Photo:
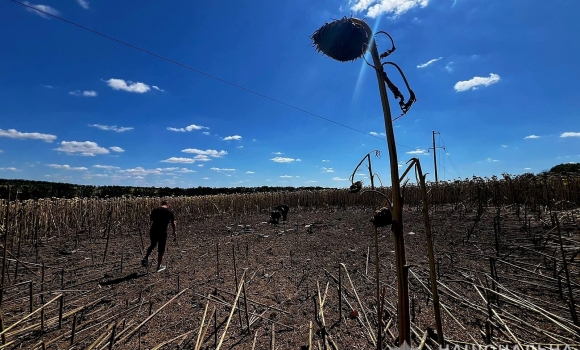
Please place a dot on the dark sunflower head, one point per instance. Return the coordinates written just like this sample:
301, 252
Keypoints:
356, 187
343, 39
382, 217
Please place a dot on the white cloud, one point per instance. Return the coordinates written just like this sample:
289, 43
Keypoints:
84, 4
328, 170
376, 8
475, 82
9, 169
157, 88
86, 148
284, 160
106, 167
206, 133
254, 139
207, 153
532, 137
527, 168
111, 128
277, 153
205, 178
200, 165
504, 146
83, 93
570, 134
140, 171
116, 149
202, 158
234, 137
448, 67
90, 176
286, 176
326, 160
13, 134
185, 170
222, 169
423, 65
66, 167
44, 8
374, 133
179, 160
336, 178
418, 151
250, 172
492, 160
129, 86
188, 128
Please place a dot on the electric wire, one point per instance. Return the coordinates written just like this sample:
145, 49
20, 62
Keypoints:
198, 71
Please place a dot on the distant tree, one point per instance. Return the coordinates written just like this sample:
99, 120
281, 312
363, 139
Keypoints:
566, 168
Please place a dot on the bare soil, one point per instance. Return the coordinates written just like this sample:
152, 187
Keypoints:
286, 267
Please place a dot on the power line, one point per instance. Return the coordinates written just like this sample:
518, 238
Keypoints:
451, 160
198, 71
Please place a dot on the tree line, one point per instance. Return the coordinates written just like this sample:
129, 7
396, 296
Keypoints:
28, 189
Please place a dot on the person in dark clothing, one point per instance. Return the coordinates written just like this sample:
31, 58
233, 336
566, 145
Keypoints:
160, 218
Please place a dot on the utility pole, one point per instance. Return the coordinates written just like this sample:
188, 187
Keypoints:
434, 148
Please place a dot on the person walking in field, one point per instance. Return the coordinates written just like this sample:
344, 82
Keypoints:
160, 218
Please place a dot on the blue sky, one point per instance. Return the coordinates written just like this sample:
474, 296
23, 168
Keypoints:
497, 79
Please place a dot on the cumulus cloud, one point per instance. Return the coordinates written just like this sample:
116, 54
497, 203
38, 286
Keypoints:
44, 8
140, 171
374, 8
13, 134
222, 169
188, 128
207, 153
112, 127
426, 64
185, 170
234, 137
531, 137
336, 178
570, 134
83, 93
476, 82
66, 167
116, 149
284, 160
106, 167
418, 151
86, 148
179, 160
84, 4
129, 86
